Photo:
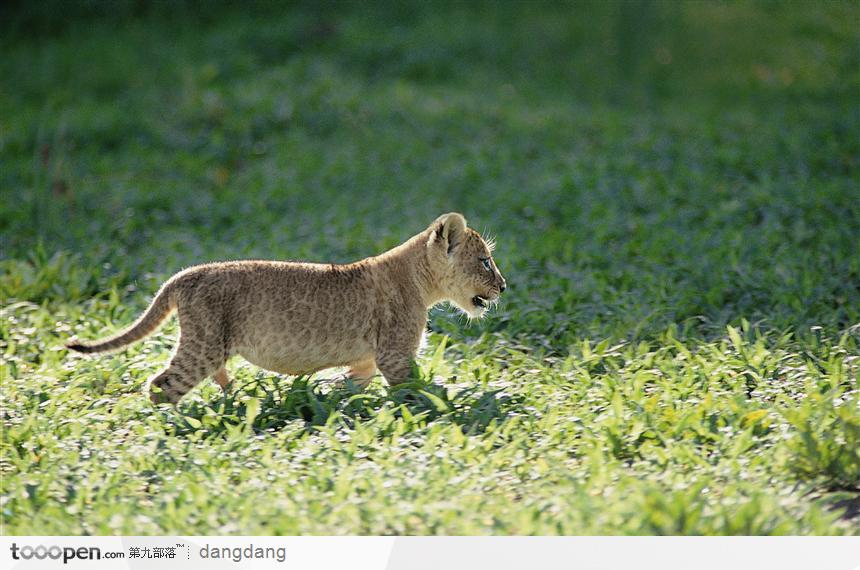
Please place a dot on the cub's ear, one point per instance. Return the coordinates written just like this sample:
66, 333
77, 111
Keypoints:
449, 229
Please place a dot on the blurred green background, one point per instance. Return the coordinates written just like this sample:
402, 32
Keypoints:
653, 172
658, 148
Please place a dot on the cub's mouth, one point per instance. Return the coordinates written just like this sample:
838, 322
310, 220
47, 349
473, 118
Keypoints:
480, 302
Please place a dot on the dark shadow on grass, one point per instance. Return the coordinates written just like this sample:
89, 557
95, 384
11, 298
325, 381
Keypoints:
851, 506
314, 403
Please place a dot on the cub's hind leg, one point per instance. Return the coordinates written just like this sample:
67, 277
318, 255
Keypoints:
185, 371
200, 353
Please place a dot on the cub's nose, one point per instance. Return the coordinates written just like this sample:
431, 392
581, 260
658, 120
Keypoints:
503, 286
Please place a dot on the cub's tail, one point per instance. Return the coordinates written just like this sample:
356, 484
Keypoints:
160, 308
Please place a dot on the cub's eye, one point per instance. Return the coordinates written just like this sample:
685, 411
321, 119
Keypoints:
486, 262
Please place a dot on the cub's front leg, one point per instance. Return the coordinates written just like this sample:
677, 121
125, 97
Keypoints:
362, 372
395, 358
395, 367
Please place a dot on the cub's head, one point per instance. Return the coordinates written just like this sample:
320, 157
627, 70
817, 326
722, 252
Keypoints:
463, 264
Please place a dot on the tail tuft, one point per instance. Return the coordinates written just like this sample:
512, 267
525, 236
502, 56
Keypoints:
78, 347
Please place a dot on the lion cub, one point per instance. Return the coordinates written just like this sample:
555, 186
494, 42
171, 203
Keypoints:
298, 318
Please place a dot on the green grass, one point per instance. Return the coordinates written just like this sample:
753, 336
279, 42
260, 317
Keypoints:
674, 189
